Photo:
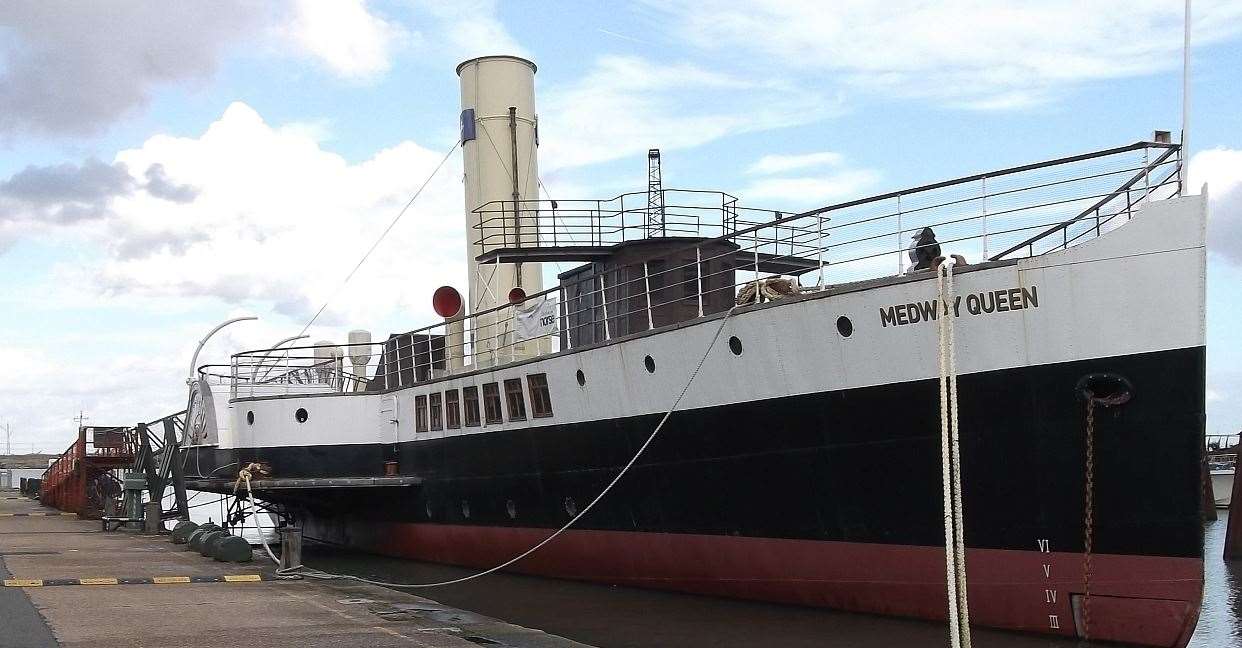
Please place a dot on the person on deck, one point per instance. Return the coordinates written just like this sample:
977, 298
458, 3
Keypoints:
924, 250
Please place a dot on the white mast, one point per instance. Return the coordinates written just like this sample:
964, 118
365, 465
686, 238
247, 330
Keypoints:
1183, 175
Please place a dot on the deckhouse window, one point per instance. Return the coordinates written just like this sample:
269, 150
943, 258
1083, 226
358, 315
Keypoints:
437, 423
540, 398
470, 396
515, 400
452, 409
420, 413
491, 403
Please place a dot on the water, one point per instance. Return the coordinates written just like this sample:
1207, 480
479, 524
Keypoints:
620, 617
1220, 622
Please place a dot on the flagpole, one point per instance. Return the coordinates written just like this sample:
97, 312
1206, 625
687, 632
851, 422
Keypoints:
1183, 174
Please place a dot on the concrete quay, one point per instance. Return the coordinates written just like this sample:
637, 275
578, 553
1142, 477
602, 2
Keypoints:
70, 584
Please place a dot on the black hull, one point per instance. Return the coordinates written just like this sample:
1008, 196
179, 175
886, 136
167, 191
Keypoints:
859, 466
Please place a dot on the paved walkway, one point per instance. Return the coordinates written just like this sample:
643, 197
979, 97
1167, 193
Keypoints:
226, 613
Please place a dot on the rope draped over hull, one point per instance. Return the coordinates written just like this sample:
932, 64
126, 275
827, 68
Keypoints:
951, 468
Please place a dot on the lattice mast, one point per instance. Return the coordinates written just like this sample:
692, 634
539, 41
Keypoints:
655, 195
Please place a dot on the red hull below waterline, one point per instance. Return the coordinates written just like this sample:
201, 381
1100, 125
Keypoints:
1146, 600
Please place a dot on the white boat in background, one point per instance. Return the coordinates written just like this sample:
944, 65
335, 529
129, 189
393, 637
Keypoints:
1222, 461
1222, 486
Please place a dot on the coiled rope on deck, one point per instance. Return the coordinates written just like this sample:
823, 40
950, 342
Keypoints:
314, 573
951, 466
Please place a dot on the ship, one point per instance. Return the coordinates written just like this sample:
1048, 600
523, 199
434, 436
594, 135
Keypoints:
803, 465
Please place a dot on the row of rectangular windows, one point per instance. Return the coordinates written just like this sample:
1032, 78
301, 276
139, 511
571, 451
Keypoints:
445, 409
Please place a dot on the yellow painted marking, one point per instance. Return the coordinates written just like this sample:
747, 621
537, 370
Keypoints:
73, 514
243, 578
6, 515
97, 581
164, 580
23, 582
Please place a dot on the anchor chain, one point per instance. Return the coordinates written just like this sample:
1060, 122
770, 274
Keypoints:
1088, 517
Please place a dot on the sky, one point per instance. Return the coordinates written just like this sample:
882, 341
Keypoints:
165, 166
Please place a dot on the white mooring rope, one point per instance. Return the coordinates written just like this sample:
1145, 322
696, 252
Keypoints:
315, 573
243, 476
951, 466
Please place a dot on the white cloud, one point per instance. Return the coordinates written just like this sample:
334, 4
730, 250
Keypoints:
345, 36
73, 68
278, 219
1221, 169
782, 163
275, 224
833, 181
469, 28
625, 105
998, 55
811, 190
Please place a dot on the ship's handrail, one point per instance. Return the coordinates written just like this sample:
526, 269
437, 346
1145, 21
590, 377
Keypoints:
1093, 209
604, 222
1020, 209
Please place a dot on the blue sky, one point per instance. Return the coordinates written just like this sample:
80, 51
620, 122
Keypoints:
287, 135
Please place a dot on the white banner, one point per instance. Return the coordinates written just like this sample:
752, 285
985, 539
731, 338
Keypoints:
536, 320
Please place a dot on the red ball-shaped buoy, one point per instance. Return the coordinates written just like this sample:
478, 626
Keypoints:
517, 296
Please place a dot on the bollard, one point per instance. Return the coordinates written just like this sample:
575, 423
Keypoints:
290, 547
153, 518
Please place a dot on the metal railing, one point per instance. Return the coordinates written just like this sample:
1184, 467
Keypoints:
1022, 211
508, 224
66, 484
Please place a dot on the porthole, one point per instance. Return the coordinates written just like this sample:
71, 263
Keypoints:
649, 363
844, 326
735, 345
511, 509
571, 507
250, 418
581, 378
301, 415
465, 509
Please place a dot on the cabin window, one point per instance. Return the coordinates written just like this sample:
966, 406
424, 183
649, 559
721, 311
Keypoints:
437, 423
420, 413
540, 399
491, 403
470, 396
515, 400
452, 409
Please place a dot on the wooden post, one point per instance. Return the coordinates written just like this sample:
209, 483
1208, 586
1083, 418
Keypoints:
151, 513
290, 547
